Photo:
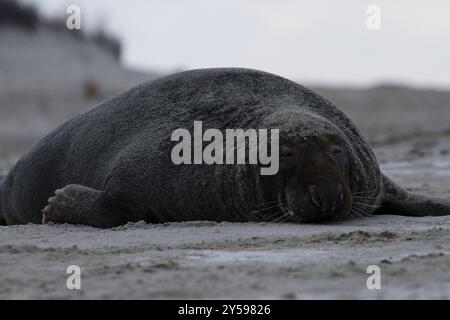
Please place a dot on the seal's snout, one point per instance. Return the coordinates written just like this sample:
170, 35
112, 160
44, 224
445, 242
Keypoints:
319, 201
316, 175
326, 200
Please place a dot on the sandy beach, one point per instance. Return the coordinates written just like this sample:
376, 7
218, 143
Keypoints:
205, 260
408, 128
208, 260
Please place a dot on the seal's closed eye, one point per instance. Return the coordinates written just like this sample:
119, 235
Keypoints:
286, 151
337, 150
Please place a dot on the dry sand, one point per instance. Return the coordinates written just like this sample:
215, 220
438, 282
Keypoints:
246, 260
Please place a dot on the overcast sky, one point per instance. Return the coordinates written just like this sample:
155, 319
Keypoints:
320, 41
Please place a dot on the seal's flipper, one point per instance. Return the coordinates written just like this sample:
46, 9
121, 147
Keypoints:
78, 204
398, 201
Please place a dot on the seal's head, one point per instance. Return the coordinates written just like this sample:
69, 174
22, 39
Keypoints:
316, 163
316, 177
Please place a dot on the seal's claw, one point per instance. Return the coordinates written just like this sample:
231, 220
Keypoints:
53, 210
45, 211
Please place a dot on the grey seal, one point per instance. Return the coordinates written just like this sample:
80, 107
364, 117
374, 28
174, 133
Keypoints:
112, 165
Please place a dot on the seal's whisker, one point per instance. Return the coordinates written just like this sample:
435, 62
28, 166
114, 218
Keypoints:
357, 214
366, 208
280, 200
280, 219
282, 216
365, 205
265, 209
357, 206
354, 214
364, 192
254, 217
286, 219
364, 198
361, 211
272, 216
361, 199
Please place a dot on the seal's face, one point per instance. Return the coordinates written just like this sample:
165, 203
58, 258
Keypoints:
315, 174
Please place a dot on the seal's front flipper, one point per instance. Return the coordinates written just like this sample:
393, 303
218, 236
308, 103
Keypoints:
78, 204
398, 201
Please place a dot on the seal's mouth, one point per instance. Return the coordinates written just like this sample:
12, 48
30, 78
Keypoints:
320, 202
355, 207
285, 210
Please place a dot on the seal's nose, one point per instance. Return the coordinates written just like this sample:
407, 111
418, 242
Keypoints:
326, 199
